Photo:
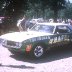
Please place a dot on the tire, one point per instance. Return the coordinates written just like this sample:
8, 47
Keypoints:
38, 51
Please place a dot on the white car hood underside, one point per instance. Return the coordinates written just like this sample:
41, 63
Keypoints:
21, 36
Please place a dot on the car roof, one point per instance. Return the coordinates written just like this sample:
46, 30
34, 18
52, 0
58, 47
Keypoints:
53, 24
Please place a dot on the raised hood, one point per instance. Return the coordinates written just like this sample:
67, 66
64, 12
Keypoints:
21, 36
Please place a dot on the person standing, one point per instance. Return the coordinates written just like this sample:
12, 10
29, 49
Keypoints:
21, 24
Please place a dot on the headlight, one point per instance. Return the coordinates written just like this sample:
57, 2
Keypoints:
4, 42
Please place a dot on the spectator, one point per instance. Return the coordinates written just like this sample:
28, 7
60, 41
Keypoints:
51, 20
69, 21
21, 24
63, 22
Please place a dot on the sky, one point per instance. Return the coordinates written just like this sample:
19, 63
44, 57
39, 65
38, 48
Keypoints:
70, 1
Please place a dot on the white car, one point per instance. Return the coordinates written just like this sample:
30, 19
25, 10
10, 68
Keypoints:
40, 38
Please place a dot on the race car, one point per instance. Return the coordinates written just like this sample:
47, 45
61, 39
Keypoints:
39, 39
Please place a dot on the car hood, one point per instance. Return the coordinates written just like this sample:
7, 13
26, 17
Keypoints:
21, 36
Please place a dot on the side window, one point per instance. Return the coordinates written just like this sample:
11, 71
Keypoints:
62, 29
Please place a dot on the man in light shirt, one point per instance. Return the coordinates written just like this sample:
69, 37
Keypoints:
19, 24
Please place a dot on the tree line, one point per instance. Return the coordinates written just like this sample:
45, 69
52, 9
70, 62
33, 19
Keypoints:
36, 9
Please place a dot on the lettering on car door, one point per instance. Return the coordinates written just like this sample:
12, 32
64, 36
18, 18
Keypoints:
59, 40
62, 38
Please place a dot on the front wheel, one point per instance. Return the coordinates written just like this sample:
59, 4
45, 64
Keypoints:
38, 51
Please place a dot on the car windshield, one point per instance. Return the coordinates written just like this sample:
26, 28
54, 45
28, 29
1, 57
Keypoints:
70, 26
43, 28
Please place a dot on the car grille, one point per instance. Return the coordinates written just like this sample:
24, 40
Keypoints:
11, 43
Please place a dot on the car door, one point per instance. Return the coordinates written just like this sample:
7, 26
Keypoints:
63, 34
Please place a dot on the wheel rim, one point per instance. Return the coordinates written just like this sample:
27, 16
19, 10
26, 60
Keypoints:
38, 51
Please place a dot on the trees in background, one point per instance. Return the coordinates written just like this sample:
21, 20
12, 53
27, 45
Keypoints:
38, 8
68, 11
49, 9
13, 9
56, 5
35, 8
